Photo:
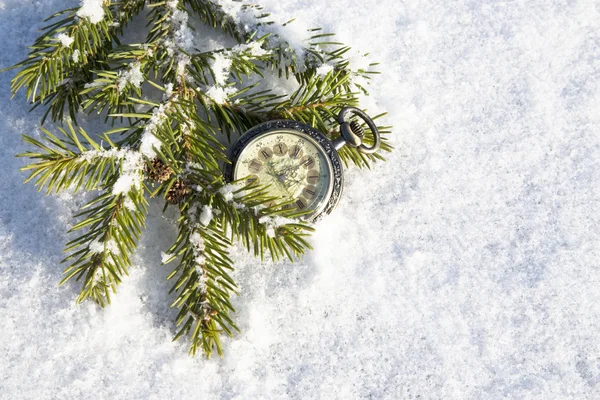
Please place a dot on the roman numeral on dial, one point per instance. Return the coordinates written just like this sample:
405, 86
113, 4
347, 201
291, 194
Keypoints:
280, 149
295, 152
312, 177
308, 162
301, 204
265, 153
309, 192
255, 165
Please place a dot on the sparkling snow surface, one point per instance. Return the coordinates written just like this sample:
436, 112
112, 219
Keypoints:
467, 267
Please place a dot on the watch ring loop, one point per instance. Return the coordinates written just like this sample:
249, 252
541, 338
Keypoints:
342, 118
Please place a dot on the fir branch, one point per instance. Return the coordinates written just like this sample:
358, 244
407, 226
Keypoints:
251, 215
65, 49
101, 256
74, 161
70, 93
203, 284
300, 62
170, 146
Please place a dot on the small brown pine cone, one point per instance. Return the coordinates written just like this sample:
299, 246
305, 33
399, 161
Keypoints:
178, 192
158, 171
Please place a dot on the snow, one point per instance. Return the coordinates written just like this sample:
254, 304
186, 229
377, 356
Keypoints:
91, 9
221, 64
149, 141
324, 69
98, 247
206, 215
273, 222
130, 176
65, 39
219, 94
466, 267
75, 56
133, 75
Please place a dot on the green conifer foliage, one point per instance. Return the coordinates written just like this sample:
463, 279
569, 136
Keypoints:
172, 146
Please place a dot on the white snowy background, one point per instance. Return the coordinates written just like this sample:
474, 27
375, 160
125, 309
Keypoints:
466, 267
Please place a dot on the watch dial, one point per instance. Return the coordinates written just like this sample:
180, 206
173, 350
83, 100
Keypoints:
292, 164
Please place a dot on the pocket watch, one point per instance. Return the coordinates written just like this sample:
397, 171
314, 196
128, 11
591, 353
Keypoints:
298, 163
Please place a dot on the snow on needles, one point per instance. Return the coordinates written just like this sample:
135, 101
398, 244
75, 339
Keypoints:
65, 39
92, 10
177, 44
220, 64
130, 173
96, 246
133, 75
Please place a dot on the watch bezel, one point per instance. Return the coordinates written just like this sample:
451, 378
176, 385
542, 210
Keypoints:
337, 176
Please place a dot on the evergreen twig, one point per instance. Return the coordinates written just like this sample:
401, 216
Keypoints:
170, 146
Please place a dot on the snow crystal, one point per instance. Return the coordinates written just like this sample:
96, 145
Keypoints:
220, 65
75, 56
168, 91
324, 69
96, 246
133, 76
165, 257
227, 191
220, 95
65, 39
130, 176
91, 9
206, 215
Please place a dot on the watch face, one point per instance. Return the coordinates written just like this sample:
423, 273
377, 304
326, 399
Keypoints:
295, 165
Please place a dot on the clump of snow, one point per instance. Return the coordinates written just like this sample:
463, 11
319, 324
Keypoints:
130, 176
96, 246
93, 84
253, 48
271, 223
324, 69
206, 215
227, 191
181, 39
168, 91
220, 95
75, 56
65, 39
149, 142
220, 65
129, 204
165, 257
198, 248
197, 241
92, 10
133, 76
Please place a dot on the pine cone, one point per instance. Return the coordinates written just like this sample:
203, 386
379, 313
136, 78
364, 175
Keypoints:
158, 171
178, 192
